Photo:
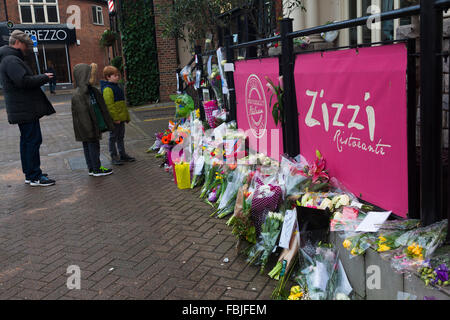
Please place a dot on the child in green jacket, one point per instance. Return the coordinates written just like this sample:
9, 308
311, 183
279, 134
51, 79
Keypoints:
115, 101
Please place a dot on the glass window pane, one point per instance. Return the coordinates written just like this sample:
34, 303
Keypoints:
52, 13
39, 15
38, 1
26, 14
94, 14
100, 15
24, 1
50, 1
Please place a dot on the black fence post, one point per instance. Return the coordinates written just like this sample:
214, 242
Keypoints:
431, 23
291, 140
230, 79
413, 169
199, 66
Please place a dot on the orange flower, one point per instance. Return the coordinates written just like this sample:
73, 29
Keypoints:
232, 166
179, 140
165, 140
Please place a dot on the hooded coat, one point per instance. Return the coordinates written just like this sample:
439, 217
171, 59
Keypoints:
24, 99
85, 123
115, 101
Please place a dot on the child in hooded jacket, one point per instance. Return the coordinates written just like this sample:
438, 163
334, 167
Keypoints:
90, 117
115, 101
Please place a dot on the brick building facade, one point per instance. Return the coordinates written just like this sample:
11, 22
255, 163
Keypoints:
167, 58
57, 43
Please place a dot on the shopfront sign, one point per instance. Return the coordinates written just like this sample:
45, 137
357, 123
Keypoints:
352, 108
46, 34
253, 108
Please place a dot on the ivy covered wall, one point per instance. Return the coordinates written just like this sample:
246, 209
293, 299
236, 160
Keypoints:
140, 51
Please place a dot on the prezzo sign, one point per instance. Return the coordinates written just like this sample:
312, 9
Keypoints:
352, 108
48, 35
253, 109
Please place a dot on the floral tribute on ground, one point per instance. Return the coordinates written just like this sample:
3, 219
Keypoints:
282, 212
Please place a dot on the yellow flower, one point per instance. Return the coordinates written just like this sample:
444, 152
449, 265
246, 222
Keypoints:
383, 247
295, 290
353, 252
382, 239
346, 244
296, 296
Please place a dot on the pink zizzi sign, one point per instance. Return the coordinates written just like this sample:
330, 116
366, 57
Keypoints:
352, 108
254, 112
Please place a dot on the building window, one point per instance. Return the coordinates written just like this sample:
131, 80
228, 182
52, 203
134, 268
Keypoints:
97, 15
38, 11
386, 29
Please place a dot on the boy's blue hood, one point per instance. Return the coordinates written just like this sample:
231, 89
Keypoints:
118, 93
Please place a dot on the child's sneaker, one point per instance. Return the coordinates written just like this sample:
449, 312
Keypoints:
42, 182
116, 161
102, 172
28, 181
127, 158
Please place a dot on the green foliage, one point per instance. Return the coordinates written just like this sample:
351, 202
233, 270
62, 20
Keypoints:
140, 51
194, 20
117, 62
108, 38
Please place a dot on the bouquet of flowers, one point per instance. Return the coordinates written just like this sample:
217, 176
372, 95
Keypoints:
422, 242
260, 252
437, 276
346, 219
235, 180
241, 223
267, 197
358, 243
317, 178
285, 265
322, 275
291, 177
386, 240
211, 172
417, 245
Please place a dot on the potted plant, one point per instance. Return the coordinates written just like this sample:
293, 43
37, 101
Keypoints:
108, 38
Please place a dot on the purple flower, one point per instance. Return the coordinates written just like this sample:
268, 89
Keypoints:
429, 298
442, 273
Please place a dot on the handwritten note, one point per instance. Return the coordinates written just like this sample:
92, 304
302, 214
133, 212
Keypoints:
373, 221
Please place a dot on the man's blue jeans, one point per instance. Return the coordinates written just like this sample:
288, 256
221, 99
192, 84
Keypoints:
30, 142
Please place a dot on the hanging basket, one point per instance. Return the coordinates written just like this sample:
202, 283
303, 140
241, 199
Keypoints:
108, 38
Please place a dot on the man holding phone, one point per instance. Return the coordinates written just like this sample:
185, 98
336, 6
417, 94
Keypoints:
25, 103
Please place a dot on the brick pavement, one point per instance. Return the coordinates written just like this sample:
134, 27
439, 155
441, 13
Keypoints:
133, 234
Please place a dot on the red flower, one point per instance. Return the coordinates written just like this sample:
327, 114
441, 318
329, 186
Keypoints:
276, 45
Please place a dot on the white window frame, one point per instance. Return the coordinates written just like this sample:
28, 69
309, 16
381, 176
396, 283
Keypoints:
97, 10
44, 3
376, 32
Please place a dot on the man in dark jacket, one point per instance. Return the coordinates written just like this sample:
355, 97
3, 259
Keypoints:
25, 103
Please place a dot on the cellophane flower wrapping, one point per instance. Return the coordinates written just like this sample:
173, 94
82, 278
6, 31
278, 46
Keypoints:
235, 179
358, 242
267, 197
416, 247
259, 253
429, 238
241, 223
321, 274
289, 176
210, 107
